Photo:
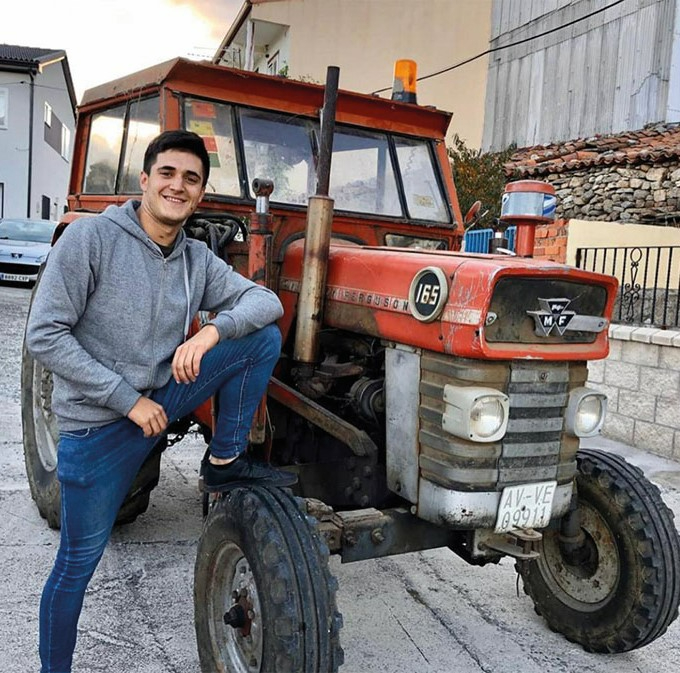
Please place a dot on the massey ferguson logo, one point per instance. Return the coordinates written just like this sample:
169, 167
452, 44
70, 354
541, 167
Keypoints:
553, 315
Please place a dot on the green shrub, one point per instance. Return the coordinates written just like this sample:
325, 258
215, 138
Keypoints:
479, 176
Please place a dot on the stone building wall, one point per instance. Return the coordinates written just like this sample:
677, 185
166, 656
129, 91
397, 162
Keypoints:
638, 193
628, 194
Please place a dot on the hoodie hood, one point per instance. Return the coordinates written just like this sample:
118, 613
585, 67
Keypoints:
127, 219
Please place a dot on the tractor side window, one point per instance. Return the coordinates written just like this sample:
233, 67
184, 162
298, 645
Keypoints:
279, 148
362, 176
214, 123
143, 126
424, 197
124, 130
103, 151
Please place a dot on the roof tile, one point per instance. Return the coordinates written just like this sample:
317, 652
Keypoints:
652, 143
11, 53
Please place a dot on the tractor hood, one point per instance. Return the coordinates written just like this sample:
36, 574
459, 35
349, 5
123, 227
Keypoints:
476, 306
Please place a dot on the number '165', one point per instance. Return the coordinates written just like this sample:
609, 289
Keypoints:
427, 294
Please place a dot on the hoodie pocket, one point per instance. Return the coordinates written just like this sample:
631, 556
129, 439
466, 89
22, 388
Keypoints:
138, 376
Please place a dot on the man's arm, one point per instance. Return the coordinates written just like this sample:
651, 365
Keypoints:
241, 305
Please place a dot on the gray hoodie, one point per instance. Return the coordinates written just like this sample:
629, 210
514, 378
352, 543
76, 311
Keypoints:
110, 310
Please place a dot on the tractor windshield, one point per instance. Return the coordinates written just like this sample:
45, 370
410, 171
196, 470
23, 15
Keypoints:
373, 172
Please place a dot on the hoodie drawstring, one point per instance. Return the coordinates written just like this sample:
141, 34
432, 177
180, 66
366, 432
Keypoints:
187, 320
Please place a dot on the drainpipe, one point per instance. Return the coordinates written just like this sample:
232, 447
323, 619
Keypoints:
30, 145
317, 242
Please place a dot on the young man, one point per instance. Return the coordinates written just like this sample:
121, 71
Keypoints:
110, 320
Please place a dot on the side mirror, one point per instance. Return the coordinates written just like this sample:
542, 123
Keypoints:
472, 214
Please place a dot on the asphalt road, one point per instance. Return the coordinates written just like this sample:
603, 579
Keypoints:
422, 612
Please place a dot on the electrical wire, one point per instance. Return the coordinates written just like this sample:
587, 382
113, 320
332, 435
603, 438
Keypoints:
511, 44
37, 86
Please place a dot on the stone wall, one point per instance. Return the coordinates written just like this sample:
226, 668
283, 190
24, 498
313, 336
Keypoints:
637, 193
641, 378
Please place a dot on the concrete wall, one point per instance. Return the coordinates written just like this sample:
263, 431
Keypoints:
641, 378
560, 240
589, 234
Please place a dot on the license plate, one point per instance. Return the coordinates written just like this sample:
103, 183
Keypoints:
525, 506
14, 277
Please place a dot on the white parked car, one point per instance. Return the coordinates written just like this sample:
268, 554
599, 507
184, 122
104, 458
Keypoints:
24, 245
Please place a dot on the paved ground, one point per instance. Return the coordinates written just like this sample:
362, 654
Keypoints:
421, 612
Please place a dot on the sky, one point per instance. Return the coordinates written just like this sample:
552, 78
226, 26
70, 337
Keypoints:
106, 39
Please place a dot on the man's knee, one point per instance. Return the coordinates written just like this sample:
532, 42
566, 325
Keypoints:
271, 338
263, 345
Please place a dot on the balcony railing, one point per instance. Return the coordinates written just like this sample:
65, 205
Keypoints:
649, 279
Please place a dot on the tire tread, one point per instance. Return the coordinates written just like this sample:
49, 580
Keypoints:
638, 504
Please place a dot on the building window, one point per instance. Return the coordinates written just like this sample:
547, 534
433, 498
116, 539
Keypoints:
4, 103
45, 207
65, 141
2, 199
57, 136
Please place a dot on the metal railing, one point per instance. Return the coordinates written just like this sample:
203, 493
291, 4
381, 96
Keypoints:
649, 279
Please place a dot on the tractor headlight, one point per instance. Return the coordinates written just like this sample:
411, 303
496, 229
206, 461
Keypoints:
475, 413
585, 412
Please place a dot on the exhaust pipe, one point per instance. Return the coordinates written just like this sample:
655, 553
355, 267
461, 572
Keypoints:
317, 242
259, 271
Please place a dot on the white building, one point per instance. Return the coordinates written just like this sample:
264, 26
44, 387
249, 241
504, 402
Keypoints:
37, 120
301, 38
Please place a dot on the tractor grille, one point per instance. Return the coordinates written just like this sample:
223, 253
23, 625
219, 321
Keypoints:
535, 448
513, 297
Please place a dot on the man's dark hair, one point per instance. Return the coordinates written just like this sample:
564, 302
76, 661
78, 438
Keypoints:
185, 141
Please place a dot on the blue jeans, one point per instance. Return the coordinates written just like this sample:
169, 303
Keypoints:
97, 466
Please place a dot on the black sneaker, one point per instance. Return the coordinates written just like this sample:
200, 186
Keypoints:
244, 471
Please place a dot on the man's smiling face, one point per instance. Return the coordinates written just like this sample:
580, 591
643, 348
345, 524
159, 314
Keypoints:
173, 189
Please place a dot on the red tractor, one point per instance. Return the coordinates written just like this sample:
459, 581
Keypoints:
425, 397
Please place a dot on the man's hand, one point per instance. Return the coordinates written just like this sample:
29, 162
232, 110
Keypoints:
149, 416
186, 364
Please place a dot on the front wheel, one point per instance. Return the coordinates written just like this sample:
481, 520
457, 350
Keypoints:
264, 598
620, 589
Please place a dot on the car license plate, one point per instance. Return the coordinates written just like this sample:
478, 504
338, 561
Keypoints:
525, 506
14, 277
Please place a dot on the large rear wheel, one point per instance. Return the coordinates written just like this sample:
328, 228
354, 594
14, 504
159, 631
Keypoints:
619, 588
264, 598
